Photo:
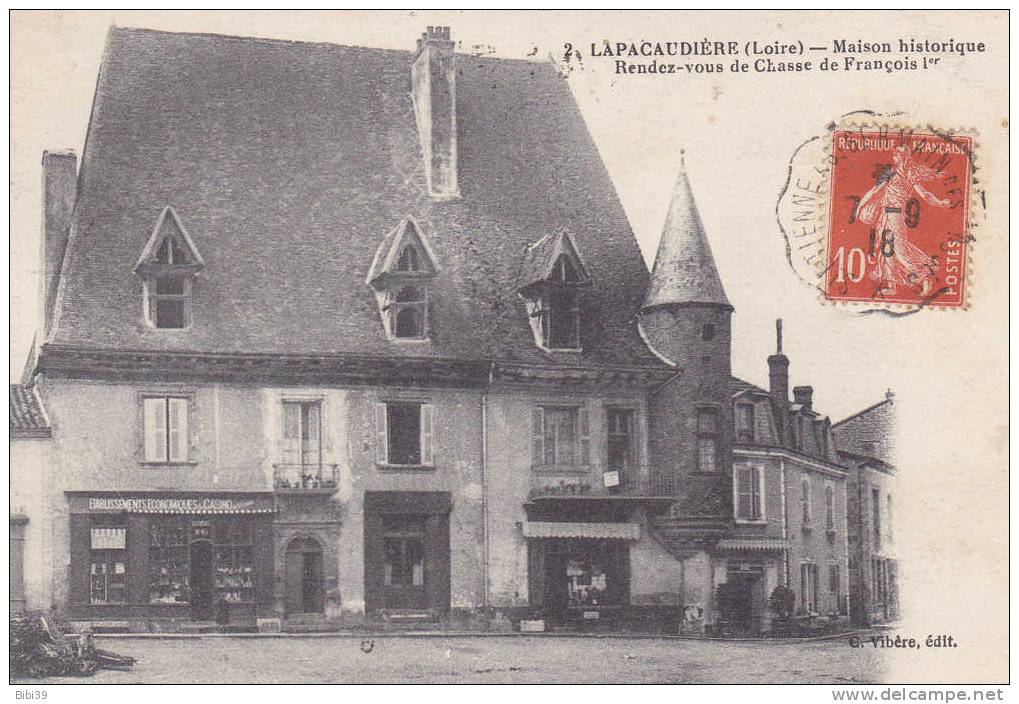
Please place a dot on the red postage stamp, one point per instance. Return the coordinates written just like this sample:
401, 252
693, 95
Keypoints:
898, 211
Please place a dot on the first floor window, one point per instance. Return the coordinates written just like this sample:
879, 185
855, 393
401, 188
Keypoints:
166, 428
707, 440
302, 432
805, 500
748, 493
875, 506
829, 506
560, 436
808, 587
404, 433
621, 443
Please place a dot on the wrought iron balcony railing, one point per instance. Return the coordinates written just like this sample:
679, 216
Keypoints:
304, 477
626, 482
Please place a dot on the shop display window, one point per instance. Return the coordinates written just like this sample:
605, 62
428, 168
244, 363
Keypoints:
233, 561
108, 561
404, 550
588, 583
169, 581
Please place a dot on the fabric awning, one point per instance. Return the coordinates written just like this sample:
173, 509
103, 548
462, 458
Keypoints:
753, 544
610, 531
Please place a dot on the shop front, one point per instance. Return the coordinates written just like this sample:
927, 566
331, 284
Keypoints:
154, 557
579, 573
406, 547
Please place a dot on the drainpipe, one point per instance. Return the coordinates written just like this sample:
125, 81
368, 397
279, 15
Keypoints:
484, 488
785, 522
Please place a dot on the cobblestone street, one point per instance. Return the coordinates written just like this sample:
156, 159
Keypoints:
485, 659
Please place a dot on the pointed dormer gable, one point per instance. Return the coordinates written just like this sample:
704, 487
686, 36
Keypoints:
403, 255
554, 258
399, 275
684, 270
550, 279
169, 247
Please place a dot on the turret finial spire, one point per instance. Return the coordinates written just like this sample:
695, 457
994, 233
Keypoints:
684, 270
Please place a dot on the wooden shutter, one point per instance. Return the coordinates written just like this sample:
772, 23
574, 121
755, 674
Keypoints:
755, 493
290, 442
426, 434
178, 428
381, 434
744, 495
313, 433
584, 434
155, 429
538, 436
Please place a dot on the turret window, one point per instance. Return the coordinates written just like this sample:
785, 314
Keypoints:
707, 440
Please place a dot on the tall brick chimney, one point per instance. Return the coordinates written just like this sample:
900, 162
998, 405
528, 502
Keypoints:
804, 395
433, 77
59, 189
778, 372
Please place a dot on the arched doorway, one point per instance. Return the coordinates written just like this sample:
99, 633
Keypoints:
304, 577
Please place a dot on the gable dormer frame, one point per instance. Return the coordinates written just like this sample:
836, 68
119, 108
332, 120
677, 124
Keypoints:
168, 285
550, 283
147, 262
400, 275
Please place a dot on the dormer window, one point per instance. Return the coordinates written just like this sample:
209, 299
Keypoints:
167, 267
409, 312
400, 276
551, 281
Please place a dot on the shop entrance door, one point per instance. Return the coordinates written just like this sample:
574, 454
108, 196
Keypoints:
405, 564
201, 580
304, 577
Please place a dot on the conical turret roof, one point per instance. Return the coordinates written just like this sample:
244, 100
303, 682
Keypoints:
684, 270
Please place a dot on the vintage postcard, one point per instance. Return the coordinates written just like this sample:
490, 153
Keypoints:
510, 347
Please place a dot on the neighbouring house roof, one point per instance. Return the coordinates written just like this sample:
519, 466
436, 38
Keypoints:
869, 433
27, 416
684, 270
773, 426
289, 163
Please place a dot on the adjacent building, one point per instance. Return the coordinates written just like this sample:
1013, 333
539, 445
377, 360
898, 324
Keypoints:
333, 333
866, 446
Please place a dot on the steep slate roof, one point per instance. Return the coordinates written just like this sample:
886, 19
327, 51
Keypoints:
288, 163
870, 432
27, 417
684, 270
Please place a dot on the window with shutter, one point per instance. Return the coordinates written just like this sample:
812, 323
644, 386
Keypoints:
805, 500
404, 433
381, 434
538, 436
426, 434
829, 506
165, 420
155, 429
584, 420
749, 493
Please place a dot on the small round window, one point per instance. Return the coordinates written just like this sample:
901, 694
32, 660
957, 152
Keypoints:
708, 332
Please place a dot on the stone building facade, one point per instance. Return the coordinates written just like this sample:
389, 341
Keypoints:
866, 446
333, 333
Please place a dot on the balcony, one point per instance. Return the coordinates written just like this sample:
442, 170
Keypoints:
637, 483
305, 478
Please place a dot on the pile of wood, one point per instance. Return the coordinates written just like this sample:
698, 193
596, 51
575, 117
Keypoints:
39, 648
